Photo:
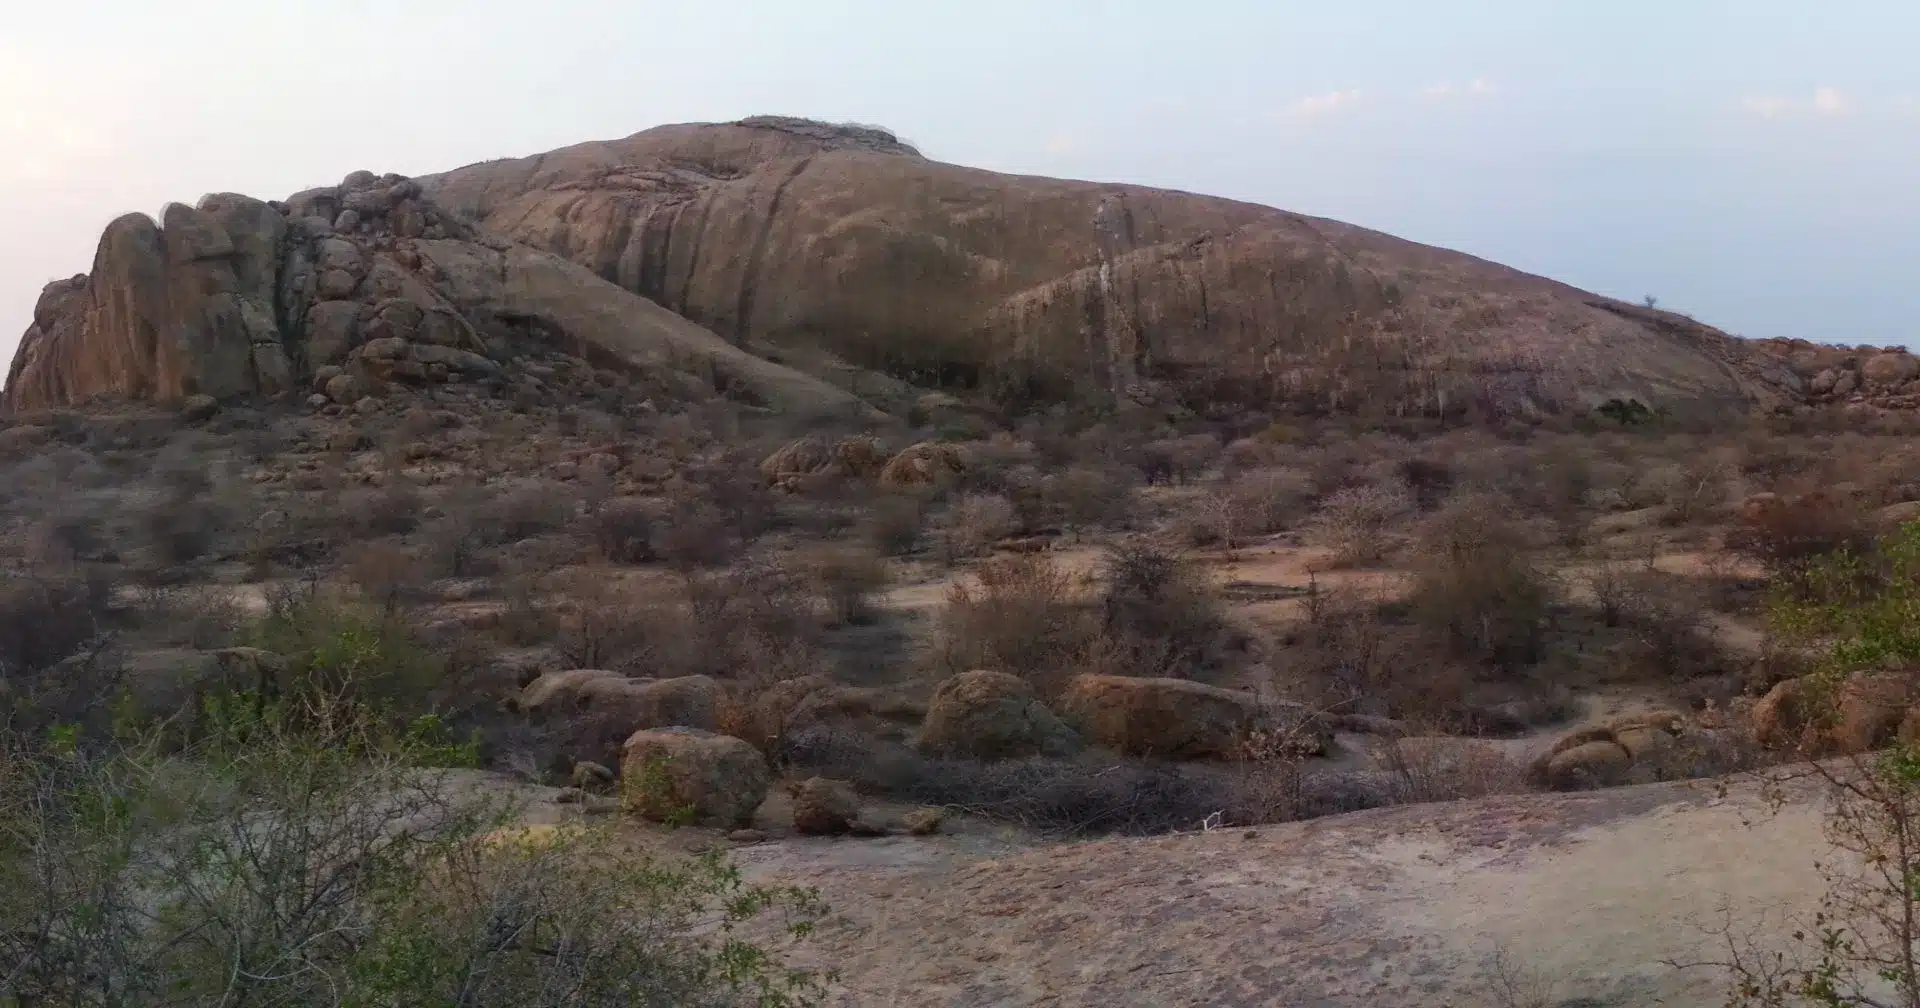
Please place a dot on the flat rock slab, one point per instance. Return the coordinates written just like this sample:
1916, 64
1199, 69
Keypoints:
1589, 894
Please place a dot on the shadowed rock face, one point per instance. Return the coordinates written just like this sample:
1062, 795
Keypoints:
796, 232
239, 297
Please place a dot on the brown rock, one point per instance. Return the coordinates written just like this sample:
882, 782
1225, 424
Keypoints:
1895, 515
676, 775
927, 464
195, 408
1867, 712
1780, 718
1590, 765
344, 389
22, 439
824, 807
924, 821
993, 715
1179, 718
808, 228
1888, 369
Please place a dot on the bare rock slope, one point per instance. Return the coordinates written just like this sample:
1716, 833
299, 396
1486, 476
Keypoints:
1585, 899
236, 296
791, 231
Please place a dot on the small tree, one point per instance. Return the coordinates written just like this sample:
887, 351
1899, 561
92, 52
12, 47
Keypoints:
1863, 946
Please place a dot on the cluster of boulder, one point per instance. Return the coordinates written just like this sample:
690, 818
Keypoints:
814, 461
676, 765
1624, 750
1887, 377
1816, 717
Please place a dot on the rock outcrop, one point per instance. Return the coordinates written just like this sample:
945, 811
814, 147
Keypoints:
1180, 718
355, 285
688, 776
993, 715
777, 230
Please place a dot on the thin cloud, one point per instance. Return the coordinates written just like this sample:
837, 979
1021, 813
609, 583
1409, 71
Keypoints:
1479, 87
1322, 105
1827, 101
1064, 143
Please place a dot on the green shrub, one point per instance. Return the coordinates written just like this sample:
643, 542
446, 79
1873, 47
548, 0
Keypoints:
304, 852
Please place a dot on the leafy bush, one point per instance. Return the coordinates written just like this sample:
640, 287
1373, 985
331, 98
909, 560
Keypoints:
316, 859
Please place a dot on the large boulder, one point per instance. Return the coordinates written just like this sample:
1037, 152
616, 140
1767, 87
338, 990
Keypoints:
824, 807
687, 776
993, 715
1780, 718
1886, 369
927, 464
1588, 765
1179, 718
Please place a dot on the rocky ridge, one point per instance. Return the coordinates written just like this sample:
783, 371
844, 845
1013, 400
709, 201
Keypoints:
344, 288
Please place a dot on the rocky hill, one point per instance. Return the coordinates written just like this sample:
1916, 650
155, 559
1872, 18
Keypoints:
789, 231
342, 287
707, 249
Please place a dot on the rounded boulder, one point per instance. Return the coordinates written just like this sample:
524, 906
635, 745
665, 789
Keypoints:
993, 715
689, 776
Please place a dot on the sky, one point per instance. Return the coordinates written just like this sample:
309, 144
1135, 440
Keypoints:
1754, 163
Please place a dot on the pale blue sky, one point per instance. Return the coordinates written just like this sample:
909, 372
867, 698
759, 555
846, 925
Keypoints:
1753, 162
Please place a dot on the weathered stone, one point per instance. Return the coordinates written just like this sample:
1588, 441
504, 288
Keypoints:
1888, 369
1590, 765
196, 408
1181, 718
344, 389
824, 807
993, 715
686, 774
389, 348
359, 179
927, 464
336, 284
333, 330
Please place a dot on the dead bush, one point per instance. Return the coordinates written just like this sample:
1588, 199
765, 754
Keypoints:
694, 534
1442, 769
389, 577
1088, 496
1161, 606
973, 523
1177, 459
894, 524
622, 531
1786, 534
43, 619
389, 511
846, 577
1355, 522
1025, 617
1249, 505
1475, 586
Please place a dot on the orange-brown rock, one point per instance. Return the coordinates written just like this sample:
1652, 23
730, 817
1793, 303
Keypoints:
778, 229
927, 464
236, 297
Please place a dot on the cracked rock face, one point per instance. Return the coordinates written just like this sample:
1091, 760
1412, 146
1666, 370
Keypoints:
787, 231
368, 279
237, 296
